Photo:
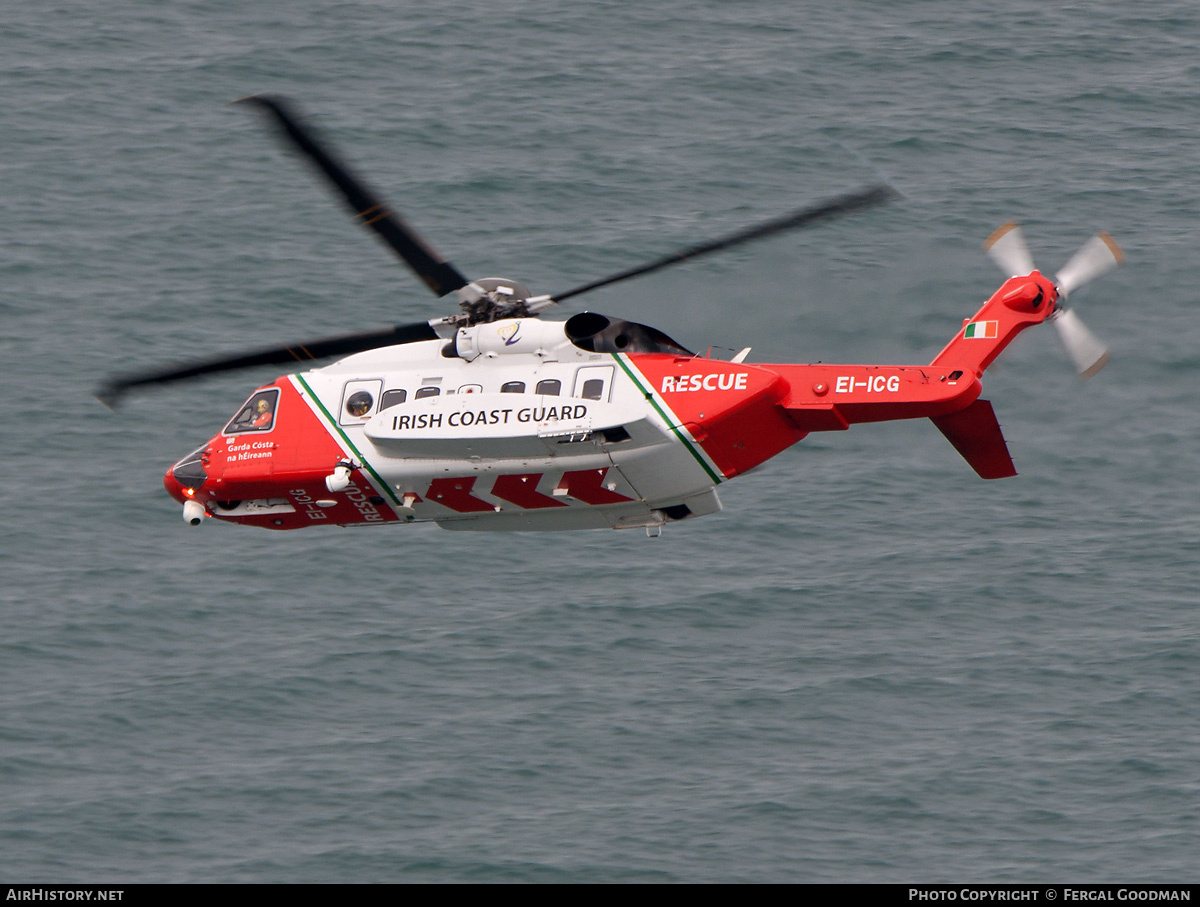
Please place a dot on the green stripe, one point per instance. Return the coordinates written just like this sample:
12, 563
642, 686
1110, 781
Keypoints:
649, 395
361, 459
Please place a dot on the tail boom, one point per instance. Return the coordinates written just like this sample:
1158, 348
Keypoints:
833, 397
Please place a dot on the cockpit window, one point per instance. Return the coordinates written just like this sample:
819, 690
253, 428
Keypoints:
258, 413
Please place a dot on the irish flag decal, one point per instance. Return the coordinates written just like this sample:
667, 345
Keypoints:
984, 330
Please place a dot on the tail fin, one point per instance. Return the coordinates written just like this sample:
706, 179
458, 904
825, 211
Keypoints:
976, 435
1021, 302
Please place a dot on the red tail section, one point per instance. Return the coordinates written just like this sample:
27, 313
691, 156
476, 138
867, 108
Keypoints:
742, 415
1020, 303
829, 397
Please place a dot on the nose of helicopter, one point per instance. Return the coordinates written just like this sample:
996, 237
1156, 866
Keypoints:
186, 477
174, 486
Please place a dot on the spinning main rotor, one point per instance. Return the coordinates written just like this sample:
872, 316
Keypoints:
480, 301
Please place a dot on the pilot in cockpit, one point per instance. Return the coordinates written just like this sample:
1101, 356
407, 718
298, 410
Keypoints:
262, 413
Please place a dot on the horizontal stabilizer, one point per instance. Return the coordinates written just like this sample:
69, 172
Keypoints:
976, 435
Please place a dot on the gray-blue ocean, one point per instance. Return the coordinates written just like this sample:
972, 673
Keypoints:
872, 666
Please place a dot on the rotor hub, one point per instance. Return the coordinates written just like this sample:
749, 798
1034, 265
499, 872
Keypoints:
494, 299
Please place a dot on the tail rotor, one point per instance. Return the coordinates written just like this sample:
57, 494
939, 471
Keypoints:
1098, 256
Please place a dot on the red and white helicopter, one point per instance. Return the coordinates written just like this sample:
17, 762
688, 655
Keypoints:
493, 419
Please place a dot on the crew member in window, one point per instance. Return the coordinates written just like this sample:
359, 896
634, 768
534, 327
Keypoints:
263, 416
359, 404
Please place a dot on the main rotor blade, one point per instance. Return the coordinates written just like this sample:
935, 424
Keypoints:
805, 217
428, 263
111, 390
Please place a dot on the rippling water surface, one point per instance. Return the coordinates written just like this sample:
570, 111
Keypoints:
871, 666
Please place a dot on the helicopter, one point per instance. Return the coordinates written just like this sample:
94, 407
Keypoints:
494, 419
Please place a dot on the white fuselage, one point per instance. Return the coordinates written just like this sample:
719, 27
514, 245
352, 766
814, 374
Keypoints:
542, 434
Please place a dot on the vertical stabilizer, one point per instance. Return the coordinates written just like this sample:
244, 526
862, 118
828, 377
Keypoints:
1020, 302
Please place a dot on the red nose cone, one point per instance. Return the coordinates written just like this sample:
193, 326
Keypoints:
174, 489
186, 477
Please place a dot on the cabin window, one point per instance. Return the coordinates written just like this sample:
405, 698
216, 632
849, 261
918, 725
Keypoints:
427, 392
358, 400
593, 389
257, 414
359, 404
512, 387
392, 398
550, 387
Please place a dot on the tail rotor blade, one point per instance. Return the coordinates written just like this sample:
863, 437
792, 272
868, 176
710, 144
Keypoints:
1099, 255
1087, 353
1008, 249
